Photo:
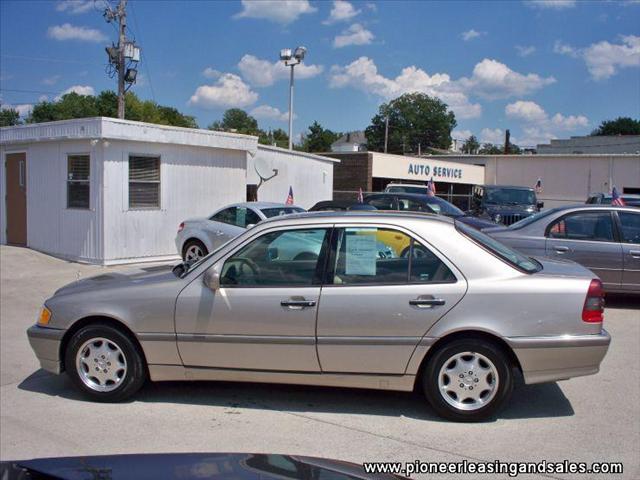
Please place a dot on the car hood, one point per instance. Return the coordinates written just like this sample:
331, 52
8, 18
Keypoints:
476, 222
563, 268
187, 466
132, 277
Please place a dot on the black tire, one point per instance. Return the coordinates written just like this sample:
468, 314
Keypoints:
134, 376
483, 347
194, 243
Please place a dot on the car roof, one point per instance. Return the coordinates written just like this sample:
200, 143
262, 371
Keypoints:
417, 196
594, 206
515, 187
355, 215
261, 205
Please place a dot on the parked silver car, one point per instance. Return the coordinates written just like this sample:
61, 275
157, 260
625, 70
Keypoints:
455, 316
198, 236
603, 238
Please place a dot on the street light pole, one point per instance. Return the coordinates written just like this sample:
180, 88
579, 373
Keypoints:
291, 109
291, 59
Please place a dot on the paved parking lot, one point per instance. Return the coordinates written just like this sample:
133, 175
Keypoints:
588, 419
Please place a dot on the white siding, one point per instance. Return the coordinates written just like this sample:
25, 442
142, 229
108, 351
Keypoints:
195, 181
51, 227
311, 176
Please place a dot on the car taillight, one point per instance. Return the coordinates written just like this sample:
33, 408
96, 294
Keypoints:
593, 310
181, 227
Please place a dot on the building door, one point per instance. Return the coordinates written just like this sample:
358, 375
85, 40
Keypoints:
17, 198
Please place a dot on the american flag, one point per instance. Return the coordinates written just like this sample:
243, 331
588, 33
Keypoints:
431, 188
616, 199
290, 196
360, 196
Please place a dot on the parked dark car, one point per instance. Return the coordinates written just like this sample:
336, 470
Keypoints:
603, 238
504, 203
186, 466
339, 206
413, 202
605, 199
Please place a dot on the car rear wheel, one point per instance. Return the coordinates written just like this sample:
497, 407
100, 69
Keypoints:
194, 250
468, 380
104, 363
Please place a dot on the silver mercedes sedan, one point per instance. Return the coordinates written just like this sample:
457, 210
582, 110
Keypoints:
197, 237
455, 317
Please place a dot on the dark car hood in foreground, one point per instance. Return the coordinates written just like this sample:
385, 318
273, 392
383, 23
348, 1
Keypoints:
132, 277
476, 222
186, 466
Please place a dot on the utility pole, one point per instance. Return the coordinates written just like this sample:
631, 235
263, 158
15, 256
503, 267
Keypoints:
386, 132
507, 142
122, 38
291, 109
124, 56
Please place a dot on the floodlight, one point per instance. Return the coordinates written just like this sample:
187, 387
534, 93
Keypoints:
299, 53
285, 54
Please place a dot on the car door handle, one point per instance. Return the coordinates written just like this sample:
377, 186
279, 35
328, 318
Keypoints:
297, 304
427, 302
635, 253
560, 249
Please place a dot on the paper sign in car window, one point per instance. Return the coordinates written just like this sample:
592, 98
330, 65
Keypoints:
361, 251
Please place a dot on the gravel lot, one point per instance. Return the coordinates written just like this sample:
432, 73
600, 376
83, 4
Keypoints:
594, 418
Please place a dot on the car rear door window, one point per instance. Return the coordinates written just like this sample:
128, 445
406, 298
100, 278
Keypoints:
589, 226
380, 256
384, 202
281, 258
228, 215
630, 223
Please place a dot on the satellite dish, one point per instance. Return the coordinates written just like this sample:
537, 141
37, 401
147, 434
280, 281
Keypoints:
264, 171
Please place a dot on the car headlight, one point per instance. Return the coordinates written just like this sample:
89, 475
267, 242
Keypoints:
497, 217
45, 316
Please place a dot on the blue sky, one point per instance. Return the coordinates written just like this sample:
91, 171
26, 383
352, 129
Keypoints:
543, 69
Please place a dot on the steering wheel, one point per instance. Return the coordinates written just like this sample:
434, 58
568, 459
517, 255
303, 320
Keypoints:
245, 262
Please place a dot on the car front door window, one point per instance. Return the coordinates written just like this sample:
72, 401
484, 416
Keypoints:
630, 223
589, 226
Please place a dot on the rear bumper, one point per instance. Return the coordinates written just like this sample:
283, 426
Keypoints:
45, 342
548, 359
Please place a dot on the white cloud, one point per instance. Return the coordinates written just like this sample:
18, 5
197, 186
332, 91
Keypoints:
52, 80
280, 11
341, 12
471, 34
604, 59
461, 134
228, 91
363, 74
492, 80
356, 34
211, 73
489, 135
75, 7
72, 32
271, 113
263, 73
24, 109
79, 89
552, 4
525, 51
538, 127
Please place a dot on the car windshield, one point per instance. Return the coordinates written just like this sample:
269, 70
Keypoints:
443, 207
500, 250
510, 196
532, 218
277, 211
406, 189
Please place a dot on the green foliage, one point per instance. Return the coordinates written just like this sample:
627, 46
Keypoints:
414, 118
9, 117
619, 126
471, 145
105, 104
237, 120
277, 137
319, 139
490, 149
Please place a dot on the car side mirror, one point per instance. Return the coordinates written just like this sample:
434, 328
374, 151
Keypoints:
540, 205
211, 278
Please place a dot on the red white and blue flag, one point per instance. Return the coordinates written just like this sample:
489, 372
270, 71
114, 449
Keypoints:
616, 199
431, 188
290, 196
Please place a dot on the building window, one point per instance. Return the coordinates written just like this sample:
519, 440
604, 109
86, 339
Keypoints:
144, 182
78, 189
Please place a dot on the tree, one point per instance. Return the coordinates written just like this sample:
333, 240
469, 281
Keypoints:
414, 119
73, 105
490, 149
277, 137
471, 145
619, 126
9, 117
319, 139
237, 120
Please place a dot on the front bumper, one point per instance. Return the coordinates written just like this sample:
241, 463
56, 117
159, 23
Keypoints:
548, 359
45, 342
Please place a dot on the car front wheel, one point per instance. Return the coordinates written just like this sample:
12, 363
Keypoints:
468, 380
194, 250
104, 363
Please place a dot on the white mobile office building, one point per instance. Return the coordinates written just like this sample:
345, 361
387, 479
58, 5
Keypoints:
108, 191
